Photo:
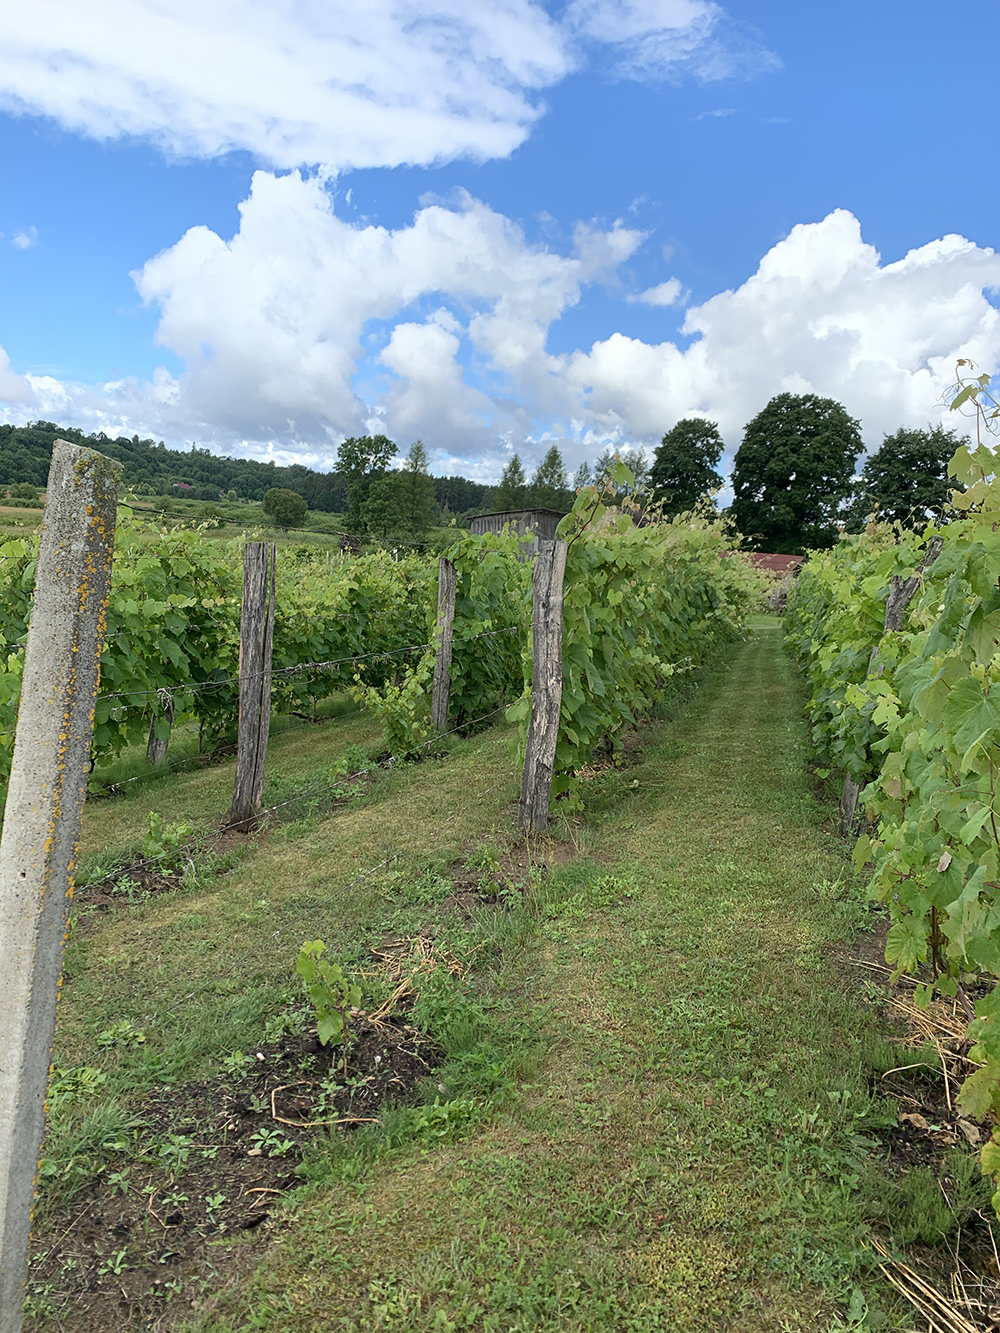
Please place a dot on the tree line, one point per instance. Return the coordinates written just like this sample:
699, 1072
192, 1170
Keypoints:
380, 494
794, 482
154, 470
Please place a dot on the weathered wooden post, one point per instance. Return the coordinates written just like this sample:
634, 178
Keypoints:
900, 595
441, 695
156, 748
546, 687
41, 828
256, 638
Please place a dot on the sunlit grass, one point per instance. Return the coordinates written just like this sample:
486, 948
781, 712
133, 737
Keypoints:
665, 1120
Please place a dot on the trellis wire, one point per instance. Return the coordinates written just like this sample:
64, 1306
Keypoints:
144, 862
299, 669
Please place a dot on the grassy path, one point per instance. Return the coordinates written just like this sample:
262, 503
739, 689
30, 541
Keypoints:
687, 1146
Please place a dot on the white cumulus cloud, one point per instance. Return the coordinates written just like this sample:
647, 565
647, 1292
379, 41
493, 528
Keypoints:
273, 323
330, 82
670, 292
303, 328
24, 240
820, 315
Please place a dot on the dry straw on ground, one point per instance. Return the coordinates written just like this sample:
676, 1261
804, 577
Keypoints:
971, 1303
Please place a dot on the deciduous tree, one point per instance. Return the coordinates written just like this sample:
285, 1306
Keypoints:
906, 479
684, 465
362, 460
793, 472
383, 511
286, 509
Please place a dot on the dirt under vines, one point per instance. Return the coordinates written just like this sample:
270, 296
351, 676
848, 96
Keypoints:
139, 1245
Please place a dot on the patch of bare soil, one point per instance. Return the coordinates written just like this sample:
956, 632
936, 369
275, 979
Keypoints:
547, 855
501, 883
146, 1241
157, 1233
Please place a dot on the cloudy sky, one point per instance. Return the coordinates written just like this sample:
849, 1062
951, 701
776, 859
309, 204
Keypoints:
264, 225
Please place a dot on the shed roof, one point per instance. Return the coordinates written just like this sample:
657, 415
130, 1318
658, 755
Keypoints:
520, 513
775, 564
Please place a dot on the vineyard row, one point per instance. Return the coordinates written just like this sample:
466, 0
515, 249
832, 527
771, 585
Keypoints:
128, 628
898, 634
639, 603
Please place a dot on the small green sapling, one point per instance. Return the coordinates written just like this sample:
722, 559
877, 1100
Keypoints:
330, 991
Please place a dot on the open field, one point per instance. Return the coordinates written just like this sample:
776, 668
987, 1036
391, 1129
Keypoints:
18, 522
652, 1095
322, 529
226, 519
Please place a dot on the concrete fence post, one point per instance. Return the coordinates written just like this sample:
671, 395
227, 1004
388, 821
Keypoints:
41, 827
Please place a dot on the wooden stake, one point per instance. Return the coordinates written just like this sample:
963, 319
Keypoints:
546, 687
41, 827
156, 749
441, 695
256, 637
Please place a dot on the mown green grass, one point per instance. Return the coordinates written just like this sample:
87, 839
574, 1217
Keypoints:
654, 1113
694, 1150
202, 796
199, 970
132, 768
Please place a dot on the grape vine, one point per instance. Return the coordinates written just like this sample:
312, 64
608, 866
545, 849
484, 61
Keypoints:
924, 735
640, 602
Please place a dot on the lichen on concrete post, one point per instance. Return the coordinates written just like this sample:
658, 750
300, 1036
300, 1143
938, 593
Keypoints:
41, 826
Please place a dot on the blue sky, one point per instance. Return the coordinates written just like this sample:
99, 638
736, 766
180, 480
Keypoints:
461, 249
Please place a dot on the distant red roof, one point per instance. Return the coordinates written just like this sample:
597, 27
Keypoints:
775, 564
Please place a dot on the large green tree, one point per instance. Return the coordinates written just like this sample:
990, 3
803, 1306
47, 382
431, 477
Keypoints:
383, 510
549, 489
684, 465
906, 479
362, 460
793, 472
512, 492
417, 490
285, 509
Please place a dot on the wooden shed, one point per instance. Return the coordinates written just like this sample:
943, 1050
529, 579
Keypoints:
535, 525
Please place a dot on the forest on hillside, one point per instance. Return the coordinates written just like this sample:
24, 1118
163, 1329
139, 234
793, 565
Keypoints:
153, 469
